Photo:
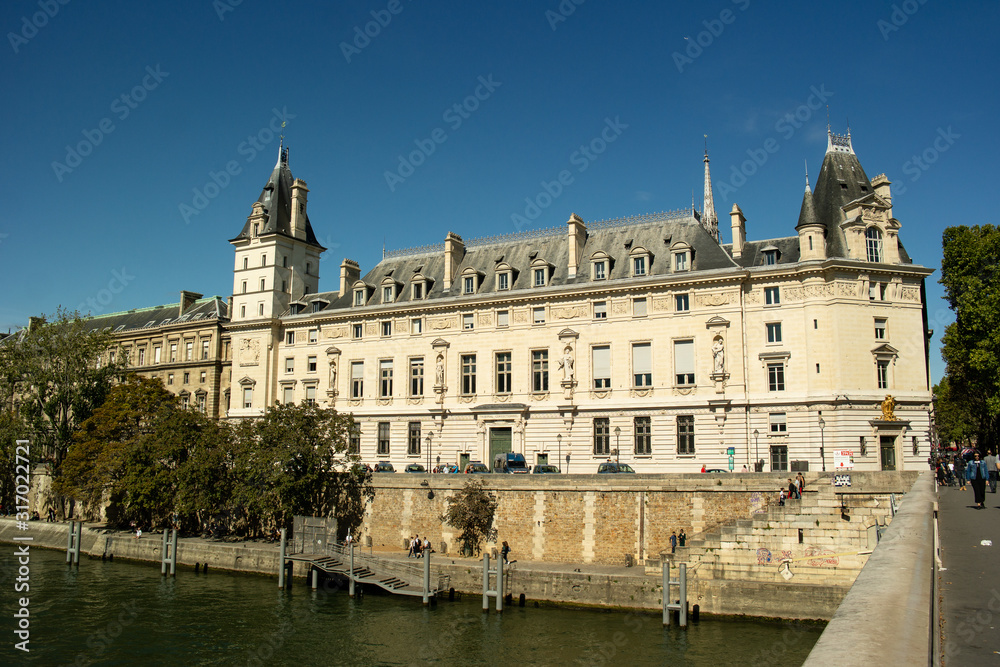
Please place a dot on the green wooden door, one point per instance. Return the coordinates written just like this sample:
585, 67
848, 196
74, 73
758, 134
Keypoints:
500, 443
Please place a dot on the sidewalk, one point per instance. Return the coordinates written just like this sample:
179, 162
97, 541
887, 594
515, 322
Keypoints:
970, 584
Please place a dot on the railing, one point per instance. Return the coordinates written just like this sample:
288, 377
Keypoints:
383, 568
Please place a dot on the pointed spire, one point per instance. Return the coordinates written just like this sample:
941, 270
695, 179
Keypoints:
708, 218
808, 189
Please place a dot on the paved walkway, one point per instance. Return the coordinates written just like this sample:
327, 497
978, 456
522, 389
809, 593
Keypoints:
970, 584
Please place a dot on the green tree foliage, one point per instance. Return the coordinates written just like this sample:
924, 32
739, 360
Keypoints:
11, 430
472, 511
970, 273
952, 417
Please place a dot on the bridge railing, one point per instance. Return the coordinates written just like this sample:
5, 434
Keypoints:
410, 572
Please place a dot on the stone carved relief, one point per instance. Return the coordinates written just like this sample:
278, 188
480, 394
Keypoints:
872, 214
619, 308
845, 288
520, 316
335, 332
485, 319
714, 299
910, 293
371, 328
441, 323
662, 304
566, 364
792, 294
569, 312
249, 352
719, 355
753, 296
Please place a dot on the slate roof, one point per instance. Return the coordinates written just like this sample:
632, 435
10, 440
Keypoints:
210, 308
276, 200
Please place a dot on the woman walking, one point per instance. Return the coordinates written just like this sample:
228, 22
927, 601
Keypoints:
977, 474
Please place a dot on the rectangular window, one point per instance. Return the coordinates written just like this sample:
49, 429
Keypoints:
468, 321
470, 284
187, 377
201, 377
776, 377
882, 372
503, 373
359, 297
638, 266
386, 328
357, 330
417, 377
416, 325
387, 293
311, 364
777, 423
142, 356
772, 296
204, 349
602, 436
385, 378
413, 439
682, 303
681, 261
639, 308
288, 395
289, 364
357, 379
260, 309
243, 311
503, 318
601, 356
314, 334
643, 436
468, 374
311, 394
170, 378
261, 284
156, 354
539, 277
684, 361
538, 315
184, 400
202, 403
880, 323
600, 270
247, 397
383, 438
539, 370
173, 352
773, 332
244, 287
770, 257
600, 310
642, 365
290, 338
354, 440
418, 291
685, 434
503, 281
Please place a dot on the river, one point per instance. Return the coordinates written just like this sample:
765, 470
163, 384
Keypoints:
120, 613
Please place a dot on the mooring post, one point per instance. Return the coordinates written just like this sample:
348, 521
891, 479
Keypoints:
427, 577
684, 596
666, 593
70, 539
500, 585
79, 541
163, 553
173, 554
281, 561
315, 578
486, 582
350, 574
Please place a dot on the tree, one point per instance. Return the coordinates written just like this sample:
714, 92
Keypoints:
954, 420
970, 273
472, 511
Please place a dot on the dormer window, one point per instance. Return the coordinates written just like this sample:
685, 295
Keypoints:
540, 277
770, 257
873, 244
682, 256
640, 261
360, 295
504, 276
470, 281
388, 294
256, 228
417, 290
600, 265
540, 273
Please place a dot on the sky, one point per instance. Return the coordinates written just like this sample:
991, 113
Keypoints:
137, 135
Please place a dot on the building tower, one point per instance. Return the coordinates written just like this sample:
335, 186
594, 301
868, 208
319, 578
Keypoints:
709, 220
277, 254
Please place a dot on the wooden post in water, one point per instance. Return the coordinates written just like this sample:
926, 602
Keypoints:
486, 582
281, 561
350, 574
73, 542
684, 596
500, 585
163, 554
79, 541
173, 554
666, 593
69, 542
427, 577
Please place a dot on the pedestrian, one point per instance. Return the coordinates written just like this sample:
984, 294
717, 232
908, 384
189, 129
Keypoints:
673, 541
348, 540
960, 471
745, 468
504, 551
417, 547
792, 490
800, 483
682, 538
977, 474
781, 497
703, 467
991, 468
426, 546
410, 553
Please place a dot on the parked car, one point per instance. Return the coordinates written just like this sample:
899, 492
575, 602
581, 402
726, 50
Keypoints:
544, 469
415, 467
612, 467
717, 470
476, 467
384, 466
510, 462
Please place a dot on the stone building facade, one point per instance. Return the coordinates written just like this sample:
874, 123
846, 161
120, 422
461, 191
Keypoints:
644, 339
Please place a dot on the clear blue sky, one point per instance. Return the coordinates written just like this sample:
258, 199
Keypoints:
160, 95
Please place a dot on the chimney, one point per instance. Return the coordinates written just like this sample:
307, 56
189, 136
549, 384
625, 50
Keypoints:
350, 272
881, 185
454, 253
577, 237
187, 300
739, 230
299, 196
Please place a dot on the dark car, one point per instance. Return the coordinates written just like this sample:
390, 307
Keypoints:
717, 470
544, 469
384, 466
415, 467
476, 467
611, 467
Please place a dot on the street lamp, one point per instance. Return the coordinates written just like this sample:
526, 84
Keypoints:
822, 442
756, 434
618, 433
559, 450
430, 439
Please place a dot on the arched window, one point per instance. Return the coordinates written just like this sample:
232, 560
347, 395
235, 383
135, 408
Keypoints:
873, 244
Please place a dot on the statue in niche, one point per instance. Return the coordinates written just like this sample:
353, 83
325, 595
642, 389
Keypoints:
439, 371
566, 364
333, 373
719, 354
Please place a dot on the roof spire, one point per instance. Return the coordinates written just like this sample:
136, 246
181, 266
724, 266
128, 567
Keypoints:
708, 218
808, 189
282, 151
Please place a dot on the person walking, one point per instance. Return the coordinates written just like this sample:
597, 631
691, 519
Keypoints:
505, 551
682, 538
960, 471
673, 541
991, 468
977, 474
800, 481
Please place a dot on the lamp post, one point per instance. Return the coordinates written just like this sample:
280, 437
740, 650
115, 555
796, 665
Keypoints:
618, 433
822, 443
559, 450
430, 439
756, 434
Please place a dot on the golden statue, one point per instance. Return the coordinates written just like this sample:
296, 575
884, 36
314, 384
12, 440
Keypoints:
887, 408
